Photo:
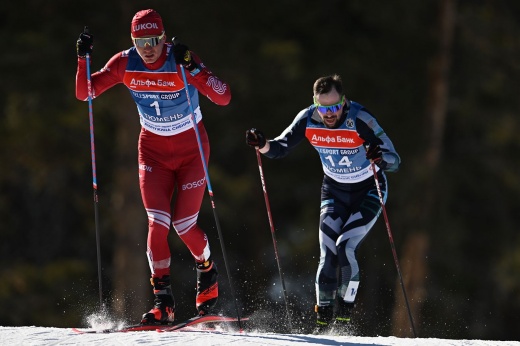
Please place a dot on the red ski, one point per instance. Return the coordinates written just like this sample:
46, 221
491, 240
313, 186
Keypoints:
164, 327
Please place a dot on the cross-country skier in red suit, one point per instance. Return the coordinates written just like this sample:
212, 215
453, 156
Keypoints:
169, 156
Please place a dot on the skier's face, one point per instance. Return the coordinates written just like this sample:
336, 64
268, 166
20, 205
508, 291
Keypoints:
330, 107
150, 47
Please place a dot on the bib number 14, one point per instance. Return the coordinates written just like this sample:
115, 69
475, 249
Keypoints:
344, 161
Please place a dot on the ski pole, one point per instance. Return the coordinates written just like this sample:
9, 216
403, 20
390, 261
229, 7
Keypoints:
210, 190
94, 179
392, 245
271, 225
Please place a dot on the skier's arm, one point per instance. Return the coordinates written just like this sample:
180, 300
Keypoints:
288, 139
102, 80
369, 129
209, 85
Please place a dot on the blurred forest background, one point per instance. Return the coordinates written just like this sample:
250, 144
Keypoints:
442, 77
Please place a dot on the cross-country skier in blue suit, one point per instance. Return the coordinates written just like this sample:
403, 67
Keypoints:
348, 139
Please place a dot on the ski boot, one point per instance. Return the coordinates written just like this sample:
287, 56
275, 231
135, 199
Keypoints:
164, 304
323, 318
207, 286
342, 322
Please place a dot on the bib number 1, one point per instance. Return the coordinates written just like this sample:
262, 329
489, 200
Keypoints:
157, 109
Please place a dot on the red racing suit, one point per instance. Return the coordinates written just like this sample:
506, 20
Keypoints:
169, 155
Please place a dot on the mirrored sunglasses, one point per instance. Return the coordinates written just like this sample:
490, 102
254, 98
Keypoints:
330, 108
151, 41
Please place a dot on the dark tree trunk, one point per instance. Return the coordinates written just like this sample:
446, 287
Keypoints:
415, 267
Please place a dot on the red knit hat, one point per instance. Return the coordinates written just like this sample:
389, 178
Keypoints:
146, 23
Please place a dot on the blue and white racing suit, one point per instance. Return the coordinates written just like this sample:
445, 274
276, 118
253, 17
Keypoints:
349, 200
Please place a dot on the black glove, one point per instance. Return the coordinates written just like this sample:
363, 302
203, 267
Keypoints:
255, 138
85, 43
374, 153
182, 55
